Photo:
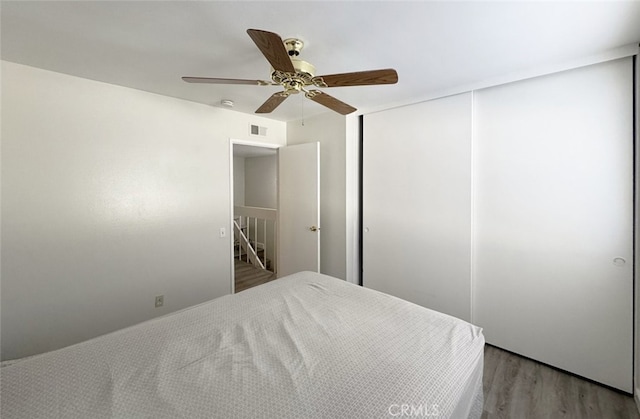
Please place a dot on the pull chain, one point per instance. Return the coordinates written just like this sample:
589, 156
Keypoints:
302, 109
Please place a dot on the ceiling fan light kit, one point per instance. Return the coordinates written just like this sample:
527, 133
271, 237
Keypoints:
295, 75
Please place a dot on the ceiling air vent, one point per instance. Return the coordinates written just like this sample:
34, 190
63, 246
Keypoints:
257, 130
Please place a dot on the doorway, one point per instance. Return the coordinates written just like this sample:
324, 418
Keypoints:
254, 214
289, 241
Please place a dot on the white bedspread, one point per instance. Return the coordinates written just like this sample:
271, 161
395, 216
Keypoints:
304, 346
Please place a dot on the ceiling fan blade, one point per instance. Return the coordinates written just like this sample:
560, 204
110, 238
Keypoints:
272, 47
273, 102
225, 81
359, 78
330, 102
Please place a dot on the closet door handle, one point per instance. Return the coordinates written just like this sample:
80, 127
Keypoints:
619, 261
314, 228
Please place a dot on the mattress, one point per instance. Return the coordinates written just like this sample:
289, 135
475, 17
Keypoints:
303, 346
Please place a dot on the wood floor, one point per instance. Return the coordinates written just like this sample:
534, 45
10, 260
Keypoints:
516, 387
248, 276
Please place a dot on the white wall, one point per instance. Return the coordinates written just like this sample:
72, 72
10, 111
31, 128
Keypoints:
261, 190
238, 181
110, 196
330, 130
261, 181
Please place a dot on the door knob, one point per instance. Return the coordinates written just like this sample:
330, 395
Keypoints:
314, 228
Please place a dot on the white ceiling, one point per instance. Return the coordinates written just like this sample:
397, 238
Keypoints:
434, 46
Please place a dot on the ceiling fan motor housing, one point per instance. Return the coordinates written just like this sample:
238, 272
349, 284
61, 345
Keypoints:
294, 82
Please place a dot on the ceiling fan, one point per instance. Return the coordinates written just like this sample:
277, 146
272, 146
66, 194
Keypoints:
295, 75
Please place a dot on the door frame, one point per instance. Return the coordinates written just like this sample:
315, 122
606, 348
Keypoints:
232, 142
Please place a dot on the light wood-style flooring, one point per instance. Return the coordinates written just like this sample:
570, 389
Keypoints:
517, 387
247, 276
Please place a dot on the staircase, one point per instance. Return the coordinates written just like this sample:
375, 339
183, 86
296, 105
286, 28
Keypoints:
240, 254
247, 276
254, 232
254, 247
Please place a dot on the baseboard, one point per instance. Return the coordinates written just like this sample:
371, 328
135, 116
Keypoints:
636, 397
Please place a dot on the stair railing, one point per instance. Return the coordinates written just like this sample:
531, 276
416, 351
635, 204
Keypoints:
245, 245
255, 230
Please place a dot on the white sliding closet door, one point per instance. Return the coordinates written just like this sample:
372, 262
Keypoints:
416, 209
553, 219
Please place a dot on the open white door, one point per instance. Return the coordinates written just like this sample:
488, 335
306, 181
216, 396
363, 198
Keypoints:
299, 208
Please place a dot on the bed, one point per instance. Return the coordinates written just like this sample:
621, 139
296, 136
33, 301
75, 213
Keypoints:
304, 346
